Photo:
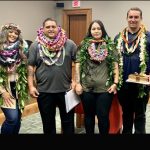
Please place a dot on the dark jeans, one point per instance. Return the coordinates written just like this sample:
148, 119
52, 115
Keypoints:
133, 108
98, 104
12, 123
47, 103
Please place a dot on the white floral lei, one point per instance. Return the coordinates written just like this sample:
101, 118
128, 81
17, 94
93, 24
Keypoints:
142, 55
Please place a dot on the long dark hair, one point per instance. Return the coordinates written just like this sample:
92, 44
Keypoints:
104, 33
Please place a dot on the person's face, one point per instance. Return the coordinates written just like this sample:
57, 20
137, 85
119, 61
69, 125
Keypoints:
13, 36
50, 29
96, 31
134, 19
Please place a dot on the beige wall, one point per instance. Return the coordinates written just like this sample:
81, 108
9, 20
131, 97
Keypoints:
30, 14
113, 13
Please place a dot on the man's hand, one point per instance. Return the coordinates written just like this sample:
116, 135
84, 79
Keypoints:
33, 92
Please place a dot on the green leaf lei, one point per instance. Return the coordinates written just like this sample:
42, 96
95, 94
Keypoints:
21, 84
84, 56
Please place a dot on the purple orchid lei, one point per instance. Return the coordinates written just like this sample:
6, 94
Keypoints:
55, 44
98, 54
10, 54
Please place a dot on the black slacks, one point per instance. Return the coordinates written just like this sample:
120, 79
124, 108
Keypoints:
47, 103
133, 108
98, 104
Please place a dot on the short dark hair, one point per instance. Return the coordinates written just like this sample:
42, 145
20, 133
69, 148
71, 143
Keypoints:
136, 9
48, 19
104, 33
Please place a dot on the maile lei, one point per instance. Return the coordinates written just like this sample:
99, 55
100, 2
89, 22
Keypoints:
87, 51
141, 41
21, 82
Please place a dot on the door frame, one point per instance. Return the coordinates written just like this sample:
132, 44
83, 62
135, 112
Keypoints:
69, 12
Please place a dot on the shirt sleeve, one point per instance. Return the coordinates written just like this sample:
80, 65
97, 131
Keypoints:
32, 56
74, 50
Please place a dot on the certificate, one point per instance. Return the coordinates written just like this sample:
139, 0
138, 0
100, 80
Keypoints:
71, 100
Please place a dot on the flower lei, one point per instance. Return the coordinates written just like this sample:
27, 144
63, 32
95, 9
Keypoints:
51, 58
143, 57
50, 50
55, 44
10, 54
98, 54
21, 83
85, 55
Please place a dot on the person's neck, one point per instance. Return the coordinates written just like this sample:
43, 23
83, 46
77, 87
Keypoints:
133, 30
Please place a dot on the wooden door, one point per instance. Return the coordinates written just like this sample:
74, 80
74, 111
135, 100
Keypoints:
77, 30
75, 23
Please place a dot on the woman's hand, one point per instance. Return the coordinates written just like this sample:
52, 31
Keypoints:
7, 99
112, 89
78, 89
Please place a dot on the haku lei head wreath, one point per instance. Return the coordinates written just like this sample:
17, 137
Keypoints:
10, 26
55, 44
